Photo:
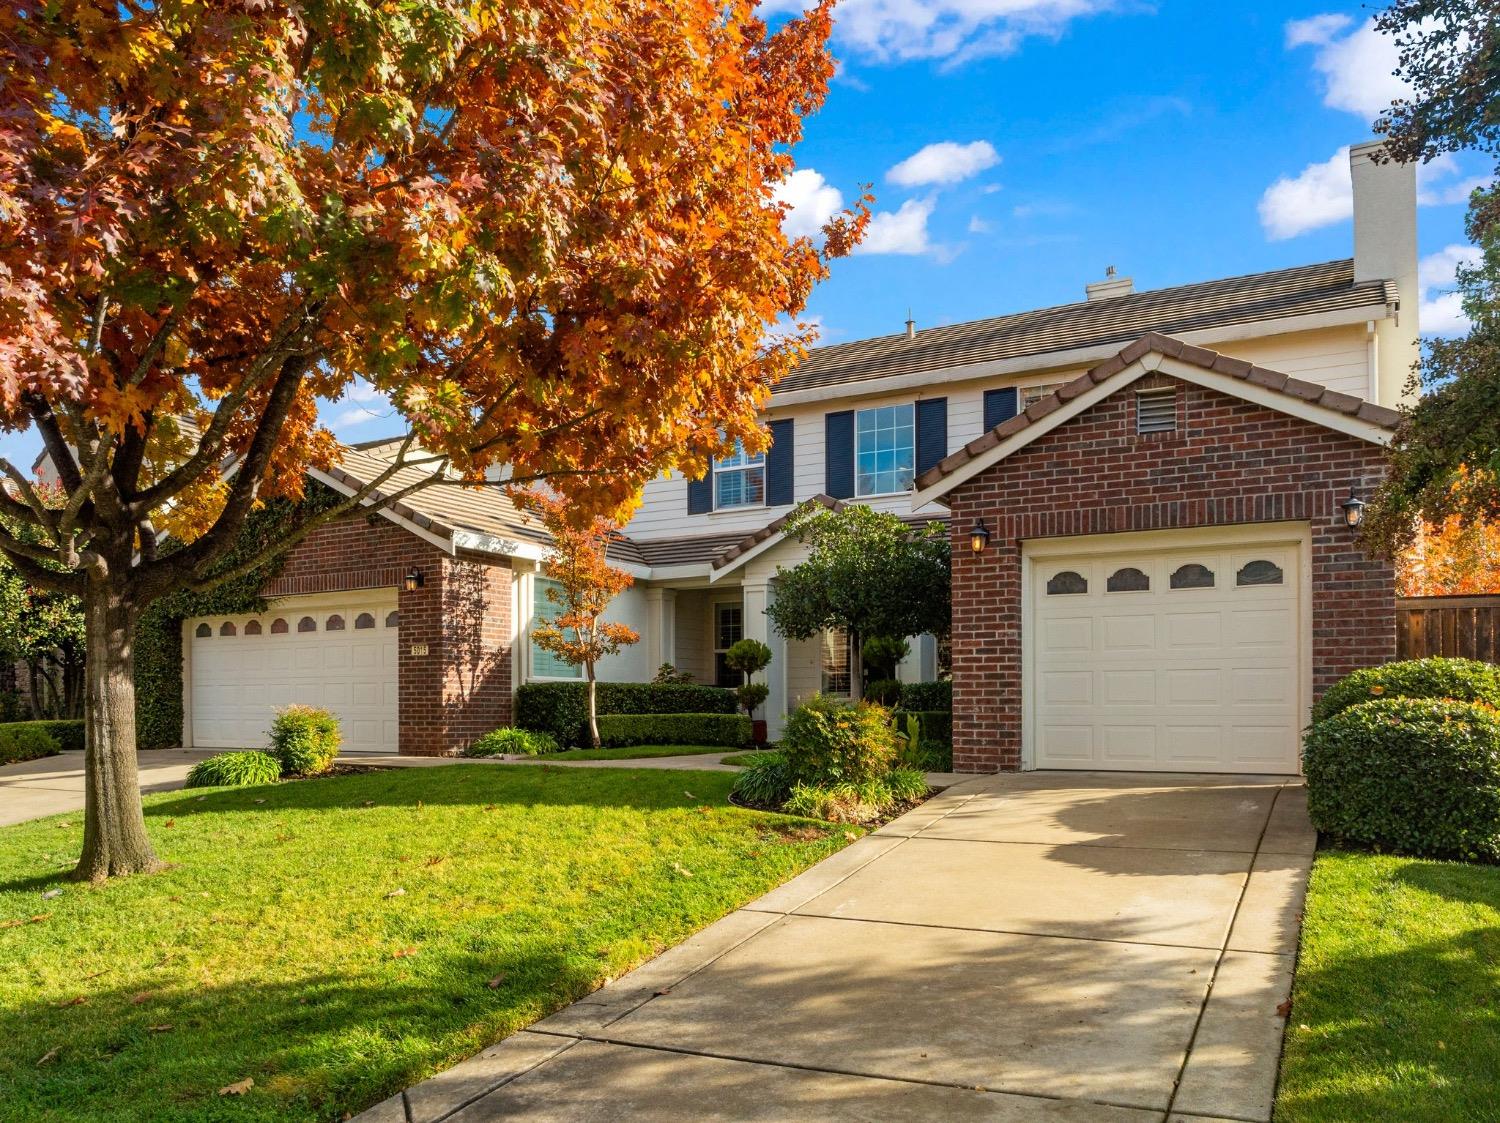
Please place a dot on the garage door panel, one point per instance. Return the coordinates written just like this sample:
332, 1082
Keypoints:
239, 681
1204, 676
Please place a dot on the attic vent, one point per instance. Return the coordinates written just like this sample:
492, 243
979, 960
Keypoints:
1156, 411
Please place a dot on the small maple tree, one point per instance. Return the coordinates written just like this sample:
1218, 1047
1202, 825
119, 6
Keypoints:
585, 585
547, 231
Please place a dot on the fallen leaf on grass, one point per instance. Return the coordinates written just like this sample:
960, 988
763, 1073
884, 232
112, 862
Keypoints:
403, 953
690, 795
238, 1088
50, 893
850, 835
368, 803
139, 997
490, 807
1284, 1009
437, 859
159, 1029
81, 1000
397, 892
254, 801
494, 984
49, 1056
170, 823
95, 975
684, 871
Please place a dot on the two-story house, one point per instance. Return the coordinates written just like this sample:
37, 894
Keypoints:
1157, 479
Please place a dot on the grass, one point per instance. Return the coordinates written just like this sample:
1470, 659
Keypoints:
1396, 1008
741, 759
338, 939
635, 752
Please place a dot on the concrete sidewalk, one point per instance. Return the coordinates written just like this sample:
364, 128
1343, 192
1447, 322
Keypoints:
1059, 946
54, 784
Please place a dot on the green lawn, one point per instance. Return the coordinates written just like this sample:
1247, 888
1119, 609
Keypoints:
335, 940
636, 752
1396, 1009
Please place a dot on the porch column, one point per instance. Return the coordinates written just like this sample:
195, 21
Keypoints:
661, 626
758, 596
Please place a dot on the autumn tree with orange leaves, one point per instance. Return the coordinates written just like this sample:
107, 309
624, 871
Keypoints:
546, 230
586, 583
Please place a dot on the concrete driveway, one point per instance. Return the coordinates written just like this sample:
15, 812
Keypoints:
1089, 947
54, 784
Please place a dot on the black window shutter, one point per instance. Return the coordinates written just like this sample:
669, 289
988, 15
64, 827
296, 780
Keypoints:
932, 432
780, 464
701, 495
838, 454
1000, 405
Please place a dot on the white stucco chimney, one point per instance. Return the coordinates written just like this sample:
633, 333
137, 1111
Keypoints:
1110, 286
1385, 249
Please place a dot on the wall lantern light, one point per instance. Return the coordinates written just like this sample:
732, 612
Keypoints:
979, 537
1354, 509
413, 580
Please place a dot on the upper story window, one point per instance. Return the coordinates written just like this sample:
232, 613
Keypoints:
885, 449
740, 480
1030, 394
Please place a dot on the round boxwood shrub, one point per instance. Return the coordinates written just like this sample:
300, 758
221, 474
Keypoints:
1463, 679
305, 740
1410, 775
831, 742
499, 742
229, 770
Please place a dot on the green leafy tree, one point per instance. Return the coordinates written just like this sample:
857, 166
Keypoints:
867, 572
1445, 459
43, 629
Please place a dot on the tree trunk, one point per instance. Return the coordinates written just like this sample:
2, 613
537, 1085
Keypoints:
593, 710
114, 829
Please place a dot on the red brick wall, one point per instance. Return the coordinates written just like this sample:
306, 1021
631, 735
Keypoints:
461, 687
1228, 462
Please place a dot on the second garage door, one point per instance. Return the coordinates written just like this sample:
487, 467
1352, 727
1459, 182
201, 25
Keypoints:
339, 656
1177, 659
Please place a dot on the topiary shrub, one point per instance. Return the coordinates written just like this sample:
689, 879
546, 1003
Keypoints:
67, 732
524, 742
305, 740
25, 740
234, 770
561, 709
729, 730
1464, 679
827, 741
765, 782
1410, 775
923, 696
883, 691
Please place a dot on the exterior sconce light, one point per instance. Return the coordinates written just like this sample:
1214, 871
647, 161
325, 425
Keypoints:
413, 580
1354, 509
979, 537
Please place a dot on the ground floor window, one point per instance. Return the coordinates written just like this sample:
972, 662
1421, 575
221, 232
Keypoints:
544, 610
729, 629
837, 666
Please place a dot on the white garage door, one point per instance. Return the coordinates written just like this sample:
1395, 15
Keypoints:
1184, 659
340, 656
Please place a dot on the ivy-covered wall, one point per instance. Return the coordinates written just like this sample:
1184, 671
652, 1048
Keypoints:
158, 640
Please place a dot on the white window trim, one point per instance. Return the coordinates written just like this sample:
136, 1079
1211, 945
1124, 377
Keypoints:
747, 462
911, 405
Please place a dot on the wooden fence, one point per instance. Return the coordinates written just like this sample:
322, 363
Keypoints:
1458, 627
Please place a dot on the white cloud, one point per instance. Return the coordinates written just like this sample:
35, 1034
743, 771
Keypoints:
1319, 195
945, 162
1441, 182
978, 225
902, 231
362, 404
956, 31
1358, 66
1442, 311
812, 201
1044, 208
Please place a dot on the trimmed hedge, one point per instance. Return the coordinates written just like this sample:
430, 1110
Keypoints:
937, 725
561, 709
67, 732
25, 740
1465, 680
729, 730
923, 696
1411, 775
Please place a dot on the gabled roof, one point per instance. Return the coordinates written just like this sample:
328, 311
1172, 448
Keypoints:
1302, 291
1153, 352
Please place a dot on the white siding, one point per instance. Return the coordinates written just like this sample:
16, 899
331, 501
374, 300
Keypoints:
694, 650
1339, 358
629, 608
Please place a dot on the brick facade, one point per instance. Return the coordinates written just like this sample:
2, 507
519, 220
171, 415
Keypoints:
1229, 462
461, 686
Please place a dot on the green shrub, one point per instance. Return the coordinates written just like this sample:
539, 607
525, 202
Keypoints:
882, 653
747, 656
1462, 679
857, 801
13, 707
831, 742
305, 740
1411, 775
937, 725
562, 708
921, 696
883, 691
67, 732
729, 730
25, 740
765, 782
524, 742
935, 756
234, 770
752, 695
